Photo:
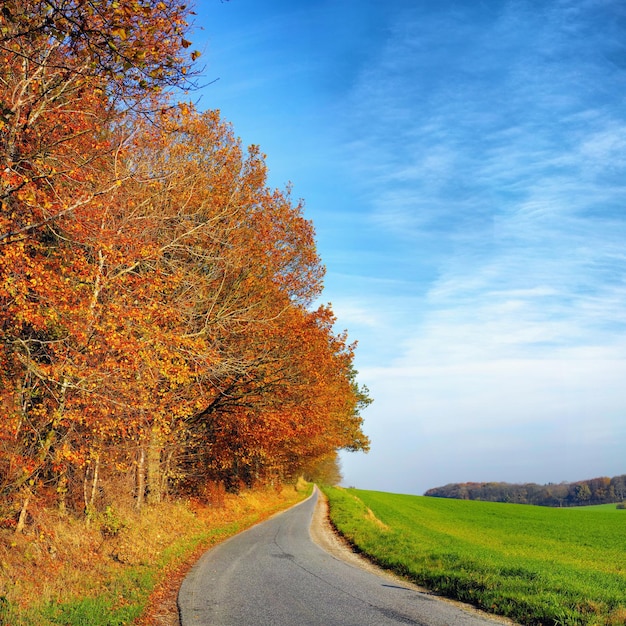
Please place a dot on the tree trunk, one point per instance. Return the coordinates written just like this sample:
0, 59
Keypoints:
94, 482
22, 519
141, 478
167, 471
62, 489
90, 490
155, 482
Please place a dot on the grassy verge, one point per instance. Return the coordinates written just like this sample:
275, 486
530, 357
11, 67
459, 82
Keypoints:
603, 507
63, 572
536, 565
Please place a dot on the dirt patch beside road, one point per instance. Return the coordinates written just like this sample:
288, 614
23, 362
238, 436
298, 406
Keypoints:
327, 538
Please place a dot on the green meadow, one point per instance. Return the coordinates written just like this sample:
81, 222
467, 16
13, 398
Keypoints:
535, 565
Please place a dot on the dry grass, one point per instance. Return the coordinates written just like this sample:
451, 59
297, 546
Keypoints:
618, 617
372, 518
60, 559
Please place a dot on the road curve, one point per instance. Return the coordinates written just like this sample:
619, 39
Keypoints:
274, 575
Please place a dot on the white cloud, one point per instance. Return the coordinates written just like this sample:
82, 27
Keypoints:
355, 314
466, 176
515, 420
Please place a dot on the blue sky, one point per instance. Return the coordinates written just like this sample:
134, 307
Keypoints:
464, 164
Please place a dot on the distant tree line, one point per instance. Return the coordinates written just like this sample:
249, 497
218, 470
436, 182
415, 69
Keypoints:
581, 493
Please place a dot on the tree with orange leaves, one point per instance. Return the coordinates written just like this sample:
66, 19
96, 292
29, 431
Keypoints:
242, 268
155, 292
69, 71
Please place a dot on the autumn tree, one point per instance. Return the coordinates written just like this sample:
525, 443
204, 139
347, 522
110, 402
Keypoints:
248, 270
156, 295
69, 72
325, 470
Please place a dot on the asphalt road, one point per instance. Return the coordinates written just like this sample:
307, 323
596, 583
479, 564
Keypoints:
273, 574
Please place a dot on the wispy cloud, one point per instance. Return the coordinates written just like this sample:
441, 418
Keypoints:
464, 165
506, 174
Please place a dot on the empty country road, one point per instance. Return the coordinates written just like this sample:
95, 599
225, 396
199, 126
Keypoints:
274, 575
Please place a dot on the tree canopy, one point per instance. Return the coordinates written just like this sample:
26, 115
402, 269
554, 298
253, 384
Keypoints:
157, 320
601, 490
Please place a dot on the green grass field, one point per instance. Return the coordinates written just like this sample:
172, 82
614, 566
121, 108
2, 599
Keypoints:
600, 507
533, 564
